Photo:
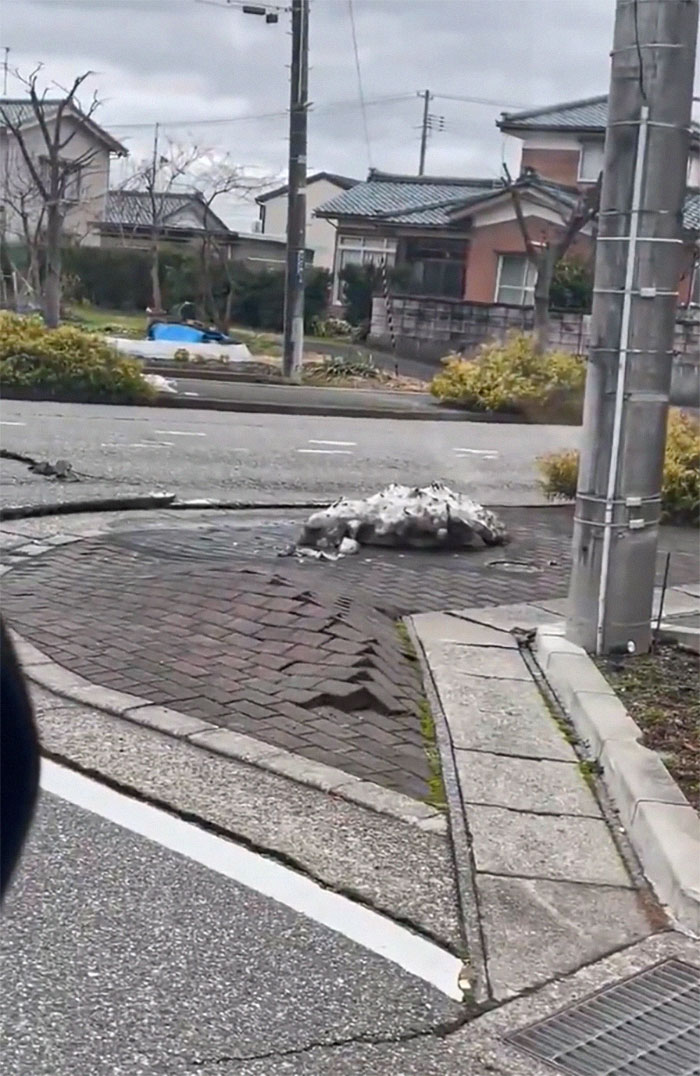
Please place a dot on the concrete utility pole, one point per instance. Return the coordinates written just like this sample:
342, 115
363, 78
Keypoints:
636, 283
426, 95
296, 197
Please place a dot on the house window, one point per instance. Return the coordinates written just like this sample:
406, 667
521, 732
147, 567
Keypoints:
590, 162
515, 284
360, 250
437, 268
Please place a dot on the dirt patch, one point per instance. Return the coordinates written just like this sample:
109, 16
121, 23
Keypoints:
660, 691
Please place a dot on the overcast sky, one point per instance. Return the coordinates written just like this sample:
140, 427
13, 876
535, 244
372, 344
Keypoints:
180, 61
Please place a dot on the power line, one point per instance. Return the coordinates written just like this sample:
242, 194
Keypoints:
222, 120
351, 12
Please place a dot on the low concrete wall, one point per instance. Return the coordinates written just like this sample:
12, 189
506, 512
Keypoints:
429, 329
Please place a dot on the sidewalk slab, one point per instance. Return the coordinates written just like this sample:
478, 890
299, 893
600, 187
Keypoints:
486, 661
524, 784
490, 715
564, 848
579, 923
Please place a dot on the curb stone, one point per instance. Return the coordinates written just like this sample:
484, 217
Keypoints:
460, 840
662, 826
45, 672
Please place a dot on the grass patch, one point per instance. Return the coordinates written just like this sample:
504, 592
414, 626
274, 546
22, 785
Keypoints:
660, 692
436, 787
114, 322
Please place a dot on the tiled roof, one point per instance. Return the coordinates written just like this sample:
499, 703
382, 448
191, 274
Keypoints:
691, 211
588, 114
396, 199
19, 110
132, 209
340, 181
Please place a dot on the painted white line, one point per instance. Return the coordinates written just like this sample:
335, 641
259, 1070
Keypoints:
361, 925
181, 433
138, 444
339, 444
189, 394
6, 422
476, 451
326, 451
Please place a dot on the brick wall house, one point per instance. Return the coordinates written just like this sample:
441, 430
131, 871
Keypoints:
459, 238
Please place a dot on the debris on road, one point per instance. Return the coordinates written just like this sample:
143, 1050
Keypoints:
61, 469
432, 517
160, 384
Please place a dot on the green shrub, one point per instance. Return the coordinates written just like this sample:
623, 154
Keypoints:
572, 285
66, 360
680, 491
512, 377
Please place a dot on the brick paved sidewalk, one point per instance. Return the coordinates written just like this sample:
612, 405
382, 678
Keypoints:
207, 620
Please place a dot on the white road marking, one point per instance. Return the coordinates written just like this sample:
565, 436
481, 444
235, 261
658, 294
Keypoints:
477, 451
326, 451
346, 444
138, 444
367, 928
182, 433
189, 394
5, 422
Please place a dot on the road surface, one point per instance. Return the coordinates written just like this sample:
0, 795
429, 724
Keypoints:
265, 457
126, 954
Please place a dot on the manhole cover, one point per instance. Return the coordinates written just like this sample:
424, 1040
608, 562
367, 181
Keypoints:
264, 540
648, 1025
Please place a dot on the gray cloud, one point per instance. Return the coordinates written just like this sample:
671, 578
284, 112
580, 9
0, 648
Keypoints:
180, 60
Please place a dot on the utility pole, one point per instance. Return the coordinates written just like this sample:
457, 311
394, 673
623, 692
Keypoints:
637, 272
156, 131
296, 196
5, 70
427, 96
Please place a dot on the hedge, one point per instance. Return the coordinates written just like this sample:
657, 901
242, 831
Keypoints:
66, 361
512, 377
680, 491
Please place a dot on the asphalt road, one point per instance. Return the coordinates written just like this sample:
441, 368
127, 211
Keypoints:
264, 457
120, 956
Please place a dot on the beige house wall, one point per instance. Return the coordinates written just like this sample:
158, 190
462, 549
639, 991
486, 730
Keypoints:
15, 176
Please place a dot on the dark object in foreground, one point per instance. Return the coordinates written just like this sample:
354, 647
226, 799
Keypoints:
19, 760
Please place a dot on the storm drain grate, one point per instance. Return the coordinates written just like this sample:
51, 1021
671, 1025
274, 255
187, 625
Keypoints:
648, 1025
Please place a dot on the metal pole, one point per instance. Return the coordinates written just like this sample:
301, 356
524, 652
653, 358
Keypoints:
296, 198
424, 130
638, 263
5, 69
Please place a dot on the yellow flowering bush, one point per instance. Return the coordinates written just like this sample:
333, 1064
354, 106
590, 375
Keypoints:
512, 377
66, 360
680, 492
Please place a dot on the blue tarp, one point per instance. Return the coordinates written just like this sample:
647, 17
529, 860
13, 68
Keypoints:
188, 334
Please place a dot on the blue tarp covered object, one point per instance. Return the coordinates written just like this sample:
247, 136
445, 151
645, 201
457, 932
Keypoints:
188, 334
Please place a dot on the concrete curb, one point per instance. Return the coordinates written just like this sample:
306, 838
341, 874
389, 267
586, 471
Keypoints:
156, 501
662, 826
462, 857
271, 407
45, 672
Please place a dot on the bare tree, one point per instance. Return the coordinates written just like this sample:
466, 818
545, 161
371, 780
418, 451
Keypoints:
216, 181
166, 173
22, 198
544, 254
54, 174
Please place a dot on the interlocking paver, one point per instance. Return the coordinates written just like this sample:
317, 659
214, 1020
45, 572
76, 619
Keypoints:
303, 655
